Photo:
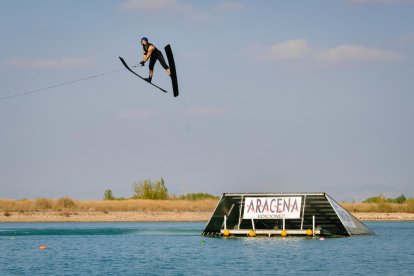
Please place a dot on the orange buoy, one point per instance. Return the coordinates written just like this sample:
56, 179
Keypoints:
309, 232
283, 233
252, 233
43, 247
226, 232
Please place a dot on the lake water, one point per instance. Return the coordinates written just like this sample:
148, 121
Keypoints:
178, 248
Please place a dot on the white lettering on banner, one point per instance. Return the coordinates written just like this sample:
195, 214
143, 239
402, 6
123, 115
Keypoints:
272, 207
342, 214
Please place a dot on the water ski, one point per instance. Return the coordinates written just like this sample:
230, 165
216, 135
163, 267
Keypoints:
127, 67
171, 63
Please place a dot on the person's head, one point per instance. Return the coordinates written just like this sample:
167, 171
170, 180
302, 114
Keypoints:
144, 40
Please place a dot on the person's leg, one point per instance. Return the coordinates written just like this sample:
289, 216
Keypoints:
151, 65
164, 64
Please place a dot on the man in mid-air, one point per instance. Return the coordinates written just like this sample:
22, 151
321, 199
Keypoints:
153, 54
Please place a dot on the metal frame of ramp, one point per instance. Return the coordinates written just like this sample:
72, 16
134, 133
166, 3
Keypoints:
318, 212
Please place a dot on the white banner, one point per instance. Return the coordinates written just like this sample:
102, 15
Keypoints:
272, 207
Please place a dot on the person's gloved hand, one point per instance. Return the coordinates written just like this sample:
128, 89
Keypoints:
142, 63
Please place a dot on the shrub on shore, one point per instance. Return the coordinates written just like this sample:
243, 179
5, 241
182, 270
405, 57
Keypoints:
382, 199
65, 203
38, 204
43, 203
108, 195
150, 190
198, 196
381, 204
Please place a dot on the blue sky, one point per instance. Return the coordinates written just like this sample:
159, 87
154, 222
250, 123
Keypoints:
279, 96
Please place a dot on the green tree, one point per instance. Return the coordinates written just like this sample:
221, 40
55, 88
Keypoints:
160, 191
108, 195
376, 199
149, 190
400, 199
142, 189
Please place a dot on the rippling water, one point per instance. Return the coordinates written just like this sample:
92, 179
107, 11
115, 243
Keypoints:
178, 248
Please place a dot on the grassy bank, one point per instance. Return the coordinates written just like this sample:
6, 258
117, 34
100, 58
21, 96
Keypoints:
66, 204
382, 207
130, 205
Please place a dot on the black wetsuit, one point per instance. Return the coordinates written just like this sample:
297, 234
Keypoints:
155, 55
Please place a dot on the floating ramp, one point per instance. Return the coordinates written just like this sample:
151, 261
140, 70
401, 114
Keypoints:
271, 214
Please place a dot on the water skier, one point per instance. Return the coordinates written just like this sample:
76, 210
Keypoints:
153, 54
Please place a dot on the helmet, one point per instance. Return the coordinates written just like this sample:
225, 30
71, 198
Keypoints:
144, 38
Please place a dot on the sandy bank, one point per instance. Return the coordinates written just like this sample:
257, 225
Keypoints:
384, 216
156, 216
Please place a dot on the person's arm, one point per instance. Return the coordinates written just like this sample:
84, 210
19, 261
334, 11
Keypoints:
147, 56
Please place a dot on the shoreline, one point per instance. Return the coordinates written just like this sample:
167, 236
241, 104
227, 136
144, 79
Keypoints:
157, 217
365, 216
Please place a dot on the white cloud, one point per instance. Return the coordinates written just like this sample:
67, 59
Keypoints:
357, 53
136, 115
154, 5
299, 52
292, 49
207, 111
229, 6
364, 2
50, 63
